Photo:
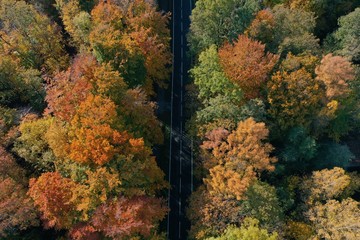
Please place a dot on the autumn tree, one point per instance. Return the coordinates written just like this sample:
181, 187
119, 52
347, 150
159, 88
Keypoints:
262, 27
336, 219
129, 216
294, 98
336, 73
31, 37
325, 185
51, 195
134, 40
241, 157
246, 64
16, 208
69, 88
149, 30
77, 22
295, 62
210, 215
210, 26
93, 140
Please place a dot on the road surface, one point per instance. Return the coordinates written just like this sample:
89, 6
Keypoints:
180, 156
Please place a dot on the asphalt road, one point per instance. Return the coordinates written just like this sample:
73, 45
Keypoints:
180, 155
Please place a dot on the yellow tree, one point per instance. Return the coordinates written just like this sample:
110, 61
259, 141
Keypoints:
241, 157
336, 220
31, 37
294, 98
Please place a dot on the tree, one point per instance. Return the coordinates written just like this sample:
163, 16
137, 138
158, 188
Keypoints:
16, 208
93, 140
327, 12
129, 216
261, 202
210, 78
32, 37
220, 107
348, 36
246, 64
332, 154
241, 157
211, 215
294, 98
295, 62
68, 89
325, 185
299, 149
336, 220
111, 44
248, 231
98, 186
150, 32
336, 72
210, 26
290, 30
19, 85
134, 39
52, 196
262, 27
32, 144
139, 116
77, 22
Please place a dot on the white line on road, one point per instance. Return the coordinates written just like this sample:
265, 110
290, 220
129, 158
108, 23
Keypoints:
180, 186
179, 230
192, 165
171, 119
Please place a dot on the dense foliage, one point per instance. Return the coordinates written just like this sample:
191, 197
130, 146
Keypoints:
276, 119
77, 123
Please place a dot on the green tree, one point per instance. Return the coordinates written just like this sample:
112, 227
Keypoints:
19, 85
32, 145
298, 151
348, 35
293, 30
210, 78
249, 230
261, 202
213, 22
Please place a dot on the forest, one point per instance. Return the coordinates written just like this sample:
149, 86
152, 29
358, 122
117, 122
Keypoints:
273, 108
77, 119
275, 114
